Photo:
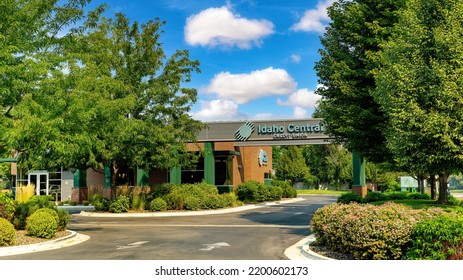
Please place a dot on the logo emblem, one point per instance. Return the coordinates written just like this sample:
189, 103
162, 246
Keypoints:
263, 160
244, 132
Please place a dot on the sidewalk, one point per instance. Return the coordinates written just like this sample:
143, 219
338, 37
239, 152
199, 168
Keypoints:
298, 251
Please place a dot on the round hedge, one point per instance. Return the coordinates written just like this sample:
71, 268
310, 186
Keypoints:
42, 223
158, 204
7, 233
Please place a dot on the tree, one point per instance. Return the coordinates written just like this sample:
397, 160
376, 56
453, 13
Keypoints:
30, 34
420, 89
291, 166
349, 55
117, 101
331, 165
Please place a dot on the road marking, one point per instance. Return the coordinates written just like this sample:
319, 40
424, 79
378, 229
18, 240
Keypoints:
300, 213
210, 247
131, 245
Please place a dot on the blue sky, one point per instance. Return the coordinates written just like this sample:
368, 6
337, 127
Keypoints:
257, 56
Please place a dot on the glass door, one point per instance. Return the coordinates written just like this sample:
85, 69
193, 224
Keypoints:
40, 180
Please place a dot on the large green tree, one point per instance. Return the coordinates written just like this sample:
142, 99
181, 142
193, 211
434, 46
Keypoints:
116, 100
348, 57
31, 32
291, 166
420, 88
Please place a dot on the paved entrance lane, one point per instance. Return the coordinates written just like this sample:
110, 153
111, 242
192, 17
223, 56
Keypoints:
261, 233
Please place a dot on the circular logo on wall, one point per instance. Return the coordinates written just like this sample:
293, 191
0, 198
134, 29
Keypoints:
244, 132
263, 160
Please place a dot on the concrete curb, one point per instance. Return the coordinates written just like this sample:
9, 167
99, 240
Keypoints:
301, 251
190, 213
73, 239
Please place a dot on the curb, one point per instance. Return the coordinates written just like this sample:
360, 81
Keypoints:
189, 213
301, 250
72, 239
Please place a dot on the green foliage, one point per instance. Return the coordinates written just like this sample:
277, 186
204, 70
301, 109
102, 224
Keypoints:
397, 195
99, 202
193, 203
42, 223
175, 200
120, 204
288, 190
375, 196
440, 238
25, 209
419, 196
291, 166
64, 218
158, 204
366, 231
349, 197
7, 233
7, 206
351, 46
160, 190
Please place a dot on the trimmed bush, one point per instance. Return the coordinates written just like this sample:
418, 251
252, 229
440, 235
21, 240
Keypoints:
64, 218
397, 195
419, 196
274, 193
7, 233
350, 197
42, 223
253, 191
440, 238
7, 207
192, 203
288, 190
367, 231
120, 204
175, 200
99, 202
375, 196
158, 204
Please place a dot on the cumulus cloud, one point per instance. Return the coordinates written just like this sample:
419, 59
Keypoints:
218, 110
220, 27
302, 98
243, 88
314, 19
300, 113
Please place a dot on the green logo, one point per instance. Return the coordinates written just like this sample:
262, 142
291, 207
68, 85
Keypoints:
244, 132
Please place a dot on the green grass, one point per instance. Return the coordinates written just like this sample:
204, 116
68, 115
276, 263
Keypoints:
330, 192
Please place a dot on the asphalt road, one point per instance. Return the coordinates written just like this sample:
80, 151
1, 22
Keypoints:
257, 234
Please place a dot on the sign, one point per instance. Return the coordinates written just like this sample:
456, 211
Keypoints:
263, 159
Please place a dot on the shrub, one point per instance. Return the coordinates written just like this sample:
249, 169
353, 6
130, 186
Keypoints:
253, 191
192, 203
230, 199
397, 195
99, 202
7, 233
349, 197
7, 207
440, 238
213, 202
158, 204
42, 223
120, 204
274, 193
160, 191
451, 200
367, 231
419, 196
64, 218
288, 190
175, 200
375, 196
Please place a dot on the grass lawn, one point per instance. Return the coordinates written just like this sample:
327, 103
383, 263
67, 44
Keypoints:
331, 192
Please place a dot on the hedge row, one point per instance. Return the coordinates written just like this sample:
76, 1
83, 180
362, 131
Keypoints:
371, 232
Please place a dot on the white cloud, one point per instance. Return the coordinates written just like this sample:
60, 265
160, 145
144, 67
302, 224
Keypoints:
220, 27
296, 58
218, 110
300, 113
243, 88
302, 98
314, 19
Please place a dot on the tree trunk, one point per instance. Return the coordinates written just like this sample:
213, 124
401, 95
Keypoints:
432, 181
115, 169
443, 194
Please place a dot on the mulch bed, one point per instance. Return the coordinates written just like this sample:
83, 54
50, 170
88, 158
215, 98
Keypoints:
23, 239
